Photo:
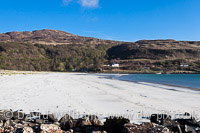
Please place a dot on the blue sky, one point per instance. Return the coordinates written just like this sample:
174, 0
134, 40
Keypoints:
126, 20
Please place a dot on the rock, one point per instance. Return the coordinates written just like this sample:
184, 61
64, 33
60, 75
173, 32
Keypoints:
18, 115
40, 121
94, 120
6, 114
9, 129
173, 126
27, 130
144, 128
1, 123
190, 123
50, 118
1, 129
19, 130
98, 132
115, 125
36, 128
70, 131
189, 129
8, 123
81, 122
158, 118
35, 114
69, 125
64, 120
50, 128
91, 129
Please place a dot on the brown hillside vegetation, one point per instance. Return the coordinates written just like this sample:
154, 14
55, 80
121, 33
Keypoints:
54, 37
26, 51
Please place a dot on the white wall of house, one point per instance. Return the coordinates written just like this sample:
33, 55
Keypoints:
115, 65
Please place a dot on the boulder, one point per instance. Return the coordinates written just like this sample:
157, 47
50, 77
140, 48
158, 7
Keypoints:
81, 122
1, 129
94, 120
115, 125
18, 115
5, 114
91, 129
158, 118
27, 130
1, 123
189, 123
35, 114
145, 128
49, 118
36, 128
173, 126
8, 123
69, 125
9, 129
64, 124
50, 128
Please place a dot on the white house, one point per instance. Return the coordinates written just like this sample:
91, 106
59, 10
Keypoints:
115, 65
184, 65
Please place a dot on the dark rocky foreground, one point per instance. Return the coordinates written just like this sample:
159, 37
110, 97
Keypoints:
19, 122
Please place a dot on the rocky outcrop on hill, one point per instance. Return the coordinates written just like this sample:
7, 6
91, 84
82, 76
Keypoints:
54, 37
35, 122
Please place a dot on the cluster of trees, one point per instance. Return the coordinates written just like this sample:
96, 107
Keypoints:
79, 57
130, 51
20, 56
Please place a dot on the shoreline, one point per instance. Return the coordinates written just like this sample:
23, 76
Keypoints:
92, 94
156, 83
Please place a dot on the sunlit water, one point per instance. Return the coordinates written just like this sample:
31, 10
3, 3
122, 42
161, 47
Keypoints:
182, 80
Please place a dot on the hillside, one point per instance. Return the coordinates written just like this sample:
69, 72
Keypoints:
50, 50
54, 37
148, 56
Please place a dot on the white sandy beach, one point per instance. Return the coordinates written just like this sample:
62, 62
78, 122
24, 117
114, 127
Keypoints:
91, 94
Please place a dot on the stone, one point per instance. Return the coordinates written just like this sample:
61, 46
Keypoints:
5, 114
18, 115
189, 129
81, 122
115, 125
158, 118
8, 123
1, 123
50, 128
69, 125
40, 121
9, 129
188, 123
36, 128
173, 126
49, 118
1, 129
27, 130
35, 114
91, 129
94, 120
64, 120
146, 127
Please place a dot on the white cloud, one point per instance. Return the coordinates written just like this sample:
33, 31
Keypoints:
89, 3
84, 3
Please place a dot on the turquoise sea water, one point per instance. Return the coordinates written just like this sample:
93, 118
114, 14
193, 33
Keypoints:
182, 80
